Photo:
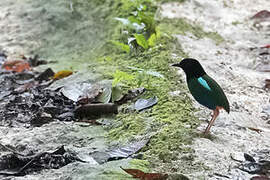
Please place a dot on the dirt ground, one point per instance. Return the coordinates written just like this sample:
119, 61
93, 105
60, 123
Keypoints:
236, 68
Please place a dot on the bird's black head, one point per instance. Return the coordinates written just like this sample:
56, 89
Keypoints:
192, 68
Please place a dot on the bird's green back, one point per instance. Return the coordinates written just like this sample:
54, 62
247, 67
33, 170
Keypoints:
209, 95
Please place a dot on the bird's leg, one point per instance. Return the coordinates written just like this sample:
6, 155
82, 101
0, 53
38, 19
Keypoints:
215, 115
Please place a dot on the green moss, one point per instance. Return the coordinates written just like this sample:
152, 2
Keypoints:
165, 1
132, 124
172, 115
215, 36
181, 26
117, 173
171, 120
236, 23
143, 165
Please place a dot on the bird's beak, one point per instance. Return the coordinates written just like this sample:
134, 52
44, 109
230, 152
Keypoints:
176, 65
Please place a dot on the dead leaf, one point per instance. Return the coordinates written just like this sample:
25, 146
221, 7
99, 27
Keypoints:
260, 178
127, 150
136, 173
120, 152
266, 46
16, 165
35, 61
255, 129
45, 75
26, 87
105, 95
261, 15
132, 94
90, 95
142, 104
78, 91
252, 166
16, 65
267, 83
249, 158
62, 74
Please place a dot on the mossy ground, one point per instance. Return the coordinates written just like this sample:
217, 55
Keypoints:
181, 26
172, 119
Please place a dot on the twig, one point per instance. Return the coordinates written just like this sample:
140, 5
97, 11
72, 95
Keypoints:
221, 175
235, 159
11, 150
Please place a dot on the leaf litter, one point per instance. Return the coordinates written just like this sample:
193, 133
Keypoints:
136, 173
117, 153
17, 165
142, 104
261, 166
27, 101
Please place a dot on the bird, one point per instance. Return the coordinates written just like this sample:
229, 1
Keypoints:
204, 89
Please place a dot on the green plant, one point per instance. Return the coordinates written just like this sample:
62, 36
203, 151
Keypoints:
121, 46
139, 27
121, 77
140, 39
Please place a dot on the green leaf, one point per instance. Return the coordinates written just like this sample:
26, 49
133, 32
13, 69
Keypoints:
149, 21
116, 93
142, 7
158, 33
133, 19
120, 76
123, 20
152, 40
121, 46
141, 40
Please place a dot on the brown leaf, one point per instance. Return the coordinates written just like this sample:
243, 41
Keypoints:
255, 129
267, 83
62, 74
261, 15
266, 46
260, 178
16, 65
136, 173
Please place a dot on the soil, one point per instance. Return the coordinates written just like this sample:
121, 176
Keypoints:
234, 65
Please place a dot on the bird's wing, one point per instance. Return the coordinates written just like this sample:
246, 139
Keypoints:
217, 93
204, 83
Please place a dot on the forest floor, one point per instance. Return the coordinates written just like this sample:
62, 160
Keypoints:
232, 55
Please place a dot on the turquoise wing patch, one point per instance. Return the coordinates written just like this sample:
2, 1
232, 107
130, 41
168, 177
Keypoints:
204, 83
